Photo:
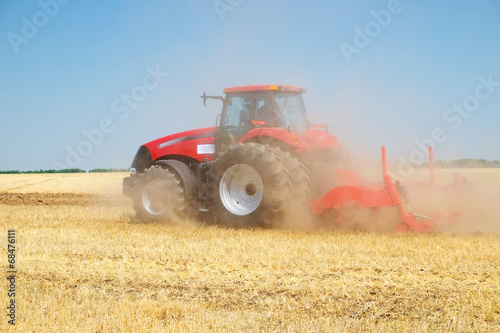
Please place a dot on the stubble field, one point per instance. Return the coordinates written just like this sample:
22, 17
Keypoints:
85, 264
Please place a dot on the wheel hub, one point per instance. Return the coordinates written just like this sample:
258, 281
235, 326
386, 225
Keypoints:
155, 198
241, 189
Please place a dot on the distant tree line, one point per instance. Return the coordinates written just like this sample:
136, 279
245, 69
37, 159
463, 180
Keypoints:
461, 163
109, 170
74, 170
465, 163
44, 171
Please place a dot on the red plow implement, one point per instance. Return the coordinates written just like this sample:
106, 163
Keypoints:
354, 190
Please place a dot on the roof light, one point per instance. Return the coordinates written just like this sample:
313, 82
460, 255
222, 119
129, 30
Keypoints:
326, 128
258, 122
263, 87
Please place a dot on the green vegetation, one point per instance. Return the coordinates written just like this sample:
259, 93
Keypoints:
109, 170
74, 170
468, 163
462, 163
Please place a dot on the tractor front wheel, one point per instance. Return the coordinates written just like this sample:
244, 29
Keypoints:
158, 195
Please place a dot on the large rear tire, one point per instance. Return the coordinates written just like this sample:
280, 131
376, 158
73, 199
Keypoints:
300, 178
249, 185
158, 195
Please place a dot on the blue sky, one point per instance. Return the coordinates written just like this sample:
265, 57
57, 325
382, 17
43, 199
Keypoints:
394, 73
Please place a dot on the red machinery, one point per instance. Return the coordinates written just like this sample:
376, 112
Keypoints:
261, 160
355, 190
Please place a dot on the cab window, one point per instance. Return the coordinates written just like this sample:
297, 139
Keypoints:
237, 117
239, 111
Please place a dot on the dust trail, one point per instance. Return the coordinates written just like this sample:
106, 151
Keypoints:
476, 204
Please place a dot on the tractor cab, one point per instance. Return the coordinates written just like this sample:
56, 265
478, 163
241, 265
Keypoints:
260, 106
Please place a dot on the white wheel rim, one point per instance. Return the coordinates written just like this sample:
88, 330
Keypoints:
241, 189
155, 197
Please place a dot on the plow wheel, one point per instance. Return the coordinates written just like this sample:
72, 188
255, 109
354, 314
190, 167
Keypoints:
251, 185
158, 195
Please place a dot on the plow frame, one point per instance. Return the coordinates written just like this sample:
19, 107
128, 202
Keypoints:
388, 194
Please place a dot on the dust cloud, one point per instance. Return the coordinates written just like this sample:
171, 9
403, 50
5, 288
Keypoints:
461, 201
476, 201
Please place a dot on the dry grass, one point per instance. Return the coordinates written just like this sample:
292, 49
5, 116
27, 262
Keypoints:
92, 268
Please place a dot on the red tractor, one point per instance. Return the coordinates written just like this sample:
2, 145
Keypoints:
261, 161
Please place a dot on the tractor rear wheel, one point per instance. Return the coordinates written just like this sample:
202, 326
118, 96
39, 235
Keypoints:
158, 195
300, 178
249, 185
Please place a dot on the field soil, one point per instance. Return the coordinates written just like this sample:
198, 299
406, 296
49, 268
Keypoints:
86, 264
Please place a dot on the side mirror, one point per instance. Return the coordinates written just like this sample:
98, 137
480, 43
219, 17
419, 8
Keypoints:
204, 96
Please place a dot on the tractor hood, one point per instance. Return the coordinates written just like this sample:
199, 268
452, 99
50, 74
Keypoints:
197, 144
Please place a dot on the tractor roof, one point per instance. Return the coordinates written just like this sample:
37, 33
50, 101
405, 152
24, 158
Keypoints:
262, 87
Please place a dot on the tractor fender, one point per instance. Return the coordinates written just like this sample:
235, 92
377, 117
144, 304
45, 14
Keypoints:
268, 135
184, 172
311, 139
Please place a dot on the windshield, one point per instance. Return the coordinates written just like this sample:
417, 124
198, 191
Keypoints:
291, 112
276, 109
